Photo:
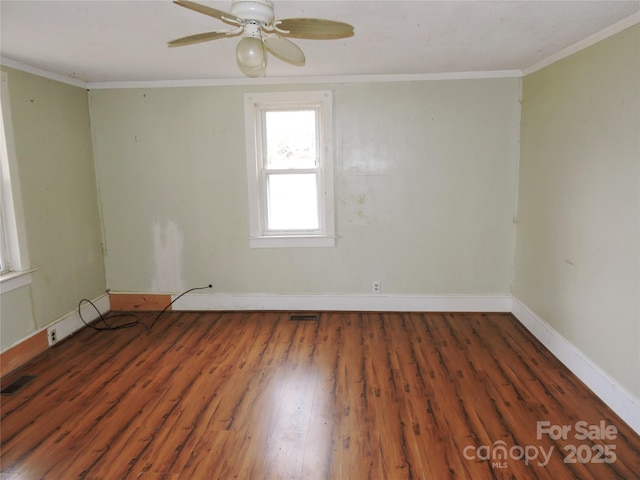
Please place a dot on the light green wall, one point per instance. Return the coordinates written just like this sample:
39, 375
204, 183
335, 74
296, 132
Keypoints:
16, 316
53, 145
578, 232
425, 181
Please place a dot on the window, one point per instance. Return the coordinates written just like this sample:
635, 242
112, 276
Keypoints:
14, 260
290, 169
4, 256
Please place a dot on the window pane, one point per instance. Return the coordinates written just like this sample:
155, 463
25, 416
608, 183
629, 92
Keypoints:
3, 266
292, 202
291, 139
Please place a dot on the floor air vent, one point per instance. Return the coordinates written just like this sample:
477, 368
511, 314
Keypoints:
304, 317
16, 385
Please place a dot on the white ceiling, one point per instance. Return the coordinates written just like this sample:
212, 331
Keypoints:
122, 41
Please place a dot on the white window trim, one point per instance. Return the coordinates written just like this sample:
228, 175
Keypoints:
13, 280
14, 228
254, 103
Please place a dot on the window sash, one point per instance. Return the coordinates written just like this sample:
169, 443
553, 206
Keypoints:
4, 255
262, 234
265, 137
266, 171
267, 212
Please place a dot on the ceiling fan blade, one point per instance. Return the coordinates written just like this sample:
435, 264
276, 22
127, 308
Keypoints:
200, 37
212, 12
285, 50
313, 28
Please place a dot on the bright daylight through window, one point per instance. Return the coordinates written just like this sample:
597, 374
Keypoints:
289, 148
4, 190
4, 265
14, 258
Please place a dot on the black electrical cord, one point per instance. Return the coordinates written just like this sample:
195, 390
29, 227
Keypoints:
133, 323
104, 319
171, 303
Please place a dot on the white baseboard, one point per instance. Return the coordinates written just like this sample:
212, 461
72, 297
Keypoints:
72, 322
396, 303
618, 398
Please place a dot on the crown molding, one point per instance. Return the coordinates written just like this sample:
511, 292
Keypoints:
23, 67
585, 43
259, 81
306, 80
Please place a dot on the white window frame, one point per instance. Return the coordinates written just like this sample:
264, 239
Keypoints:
4, 251
256, 104
15, 254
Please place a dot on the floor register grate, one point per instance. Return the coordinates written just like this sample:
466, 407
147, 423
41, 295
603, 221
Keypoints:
304, 317
16, 385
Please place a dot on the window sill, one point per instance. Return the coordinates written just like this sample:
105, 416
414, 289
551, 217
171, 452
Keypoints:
292, 241
13, 280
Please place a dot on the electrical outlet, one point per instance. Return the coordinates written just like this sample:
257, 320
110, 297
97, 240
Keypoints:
375, 286
53, 336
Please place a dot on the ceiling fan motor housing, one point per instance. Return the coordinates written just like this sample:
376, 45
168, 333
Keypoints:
259, 10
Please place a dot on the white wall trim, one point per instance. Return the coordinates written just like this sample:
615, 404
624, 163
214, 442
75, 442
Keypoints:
15, 230
71, 322
585, 43
218, 82
13, 280
617, 397
23, 67
221, 82
396, 303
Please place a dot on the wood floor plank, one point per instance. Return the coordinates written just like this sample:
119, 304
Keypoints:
352, 395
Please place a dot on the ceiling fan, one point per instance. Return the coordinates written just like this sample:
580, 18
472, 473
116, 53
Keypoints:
255, 21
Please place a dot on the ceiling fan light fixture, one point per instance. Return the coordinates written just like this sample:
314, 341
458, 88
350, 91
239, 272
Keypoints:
253, 72
251, 56
255, 20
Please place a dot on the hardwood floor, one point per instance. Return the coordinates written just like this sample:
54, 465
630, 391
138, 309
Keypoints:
253, 395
